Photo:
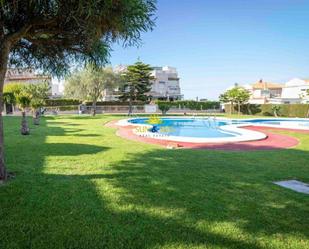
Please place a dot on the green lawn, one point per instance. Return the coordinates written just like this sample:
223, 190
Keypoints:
78, 185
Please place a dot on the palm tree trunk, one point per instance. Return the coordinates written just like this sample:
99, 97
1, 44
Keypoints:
36, 117
4, 56
130, 106
24, 130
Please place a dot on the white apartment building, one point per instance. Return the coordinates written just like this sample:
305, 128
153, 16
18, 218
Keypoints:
165, 85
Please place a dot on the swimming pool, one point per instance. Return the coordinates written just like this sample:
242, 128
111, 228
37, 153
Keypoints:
209, 129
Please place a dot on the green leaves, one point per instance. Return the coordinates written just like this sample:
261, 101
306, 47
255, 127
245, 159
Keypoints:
23, 101
236, 94
52, 35
138, 83
90, 83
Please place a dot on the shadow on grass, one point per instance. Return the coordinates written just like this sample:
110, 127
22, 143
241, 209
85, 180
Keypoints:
180, 198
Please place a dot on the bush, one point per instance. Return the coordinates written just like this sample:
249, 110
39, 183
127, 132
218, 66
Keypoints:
163, 107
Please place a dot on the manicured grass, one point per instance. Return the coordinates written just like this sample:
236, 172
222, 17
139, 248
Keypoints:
78, 185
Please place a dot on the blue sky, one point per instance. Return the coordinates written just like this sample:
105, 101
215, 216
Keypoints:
214, 44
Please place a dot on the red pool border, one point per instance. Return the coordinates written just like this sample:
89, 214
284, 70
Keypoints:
272, 142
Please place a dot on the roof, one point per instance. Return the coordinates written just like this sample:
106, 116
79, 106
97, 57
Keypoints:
266, 85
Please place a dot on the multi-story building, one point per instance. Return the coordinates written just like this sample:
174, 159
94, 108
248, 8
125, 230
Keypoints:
165, 84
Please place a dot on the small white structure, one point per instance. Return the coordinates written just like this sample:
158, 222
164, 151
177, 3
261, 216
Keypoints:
150, 108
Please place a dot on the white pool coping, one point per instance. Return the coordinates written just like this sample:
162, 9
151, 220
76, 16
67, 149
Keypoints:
245, 135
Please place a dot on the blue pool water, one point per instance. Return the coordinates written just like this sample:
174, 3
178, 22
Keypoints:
190, 127
208, 127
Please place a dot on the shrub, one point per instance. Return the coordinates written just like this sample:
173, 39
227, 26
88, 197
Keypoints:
163, 107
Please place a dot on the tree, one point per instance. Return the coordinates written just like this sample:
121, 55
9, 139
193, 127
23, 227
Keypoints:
23, 102
242, 97
90, 84
276, 110
236, 95
137, 83
51, 35
37, 93
163, 107
10, 93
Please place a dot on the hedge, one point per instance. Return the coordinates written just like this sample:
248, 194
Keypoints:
116, 103
62, 102
286, 110
76, 102
192, 105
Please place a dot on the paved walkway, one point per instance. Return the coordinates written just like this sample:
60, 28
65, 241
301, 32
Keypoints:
273, 140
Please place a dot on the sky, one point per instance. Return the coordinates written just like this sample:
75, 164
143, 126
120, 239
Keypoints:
214, 44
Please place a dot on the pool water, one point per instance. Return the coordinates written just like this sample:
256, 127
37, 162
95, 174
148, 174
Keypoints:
212, 127
190, 127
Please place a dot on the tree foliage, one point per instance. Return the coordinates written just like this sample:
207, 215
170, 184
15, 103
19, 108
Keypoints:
137, 83
14, 88
37, 91
51, 35
237, 95
163, 107
90, 83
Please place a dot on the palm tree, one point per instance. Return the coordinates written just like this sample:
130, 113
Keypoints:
35, 105
23, 102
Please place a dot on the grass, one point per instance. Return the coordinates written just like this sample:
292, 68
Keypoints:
78, 185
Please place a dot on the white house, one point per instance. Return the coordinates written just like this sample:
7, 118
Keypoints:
295, 91
292, 92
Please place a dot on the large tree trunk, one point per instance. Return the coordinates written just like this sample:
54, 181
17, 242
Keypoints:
24, 130
4, 56
238, 108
